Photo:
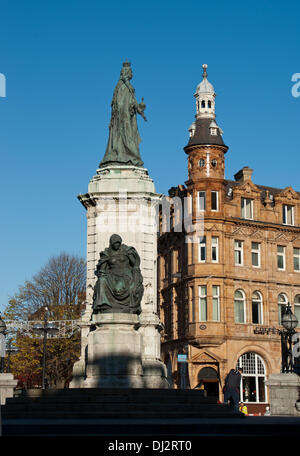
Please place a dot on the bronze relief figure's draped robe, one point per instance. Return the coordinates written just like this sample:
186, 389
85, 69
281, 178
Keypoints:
124, 138
119, 287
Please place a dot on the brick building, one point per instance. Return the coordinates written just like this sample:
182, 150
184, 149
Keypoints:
223, 284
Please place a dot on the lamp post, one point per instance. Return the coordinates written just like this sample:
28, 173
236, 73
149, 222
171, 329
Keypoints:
43, 330
289, 322
2, 343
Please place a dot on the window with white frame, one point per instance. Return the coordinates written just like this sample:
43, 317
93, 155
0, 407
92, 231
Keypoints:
214, 201
288, 214
201, 201
202, 249
297, 308
257, 308
253, 387
247, 208
296, 259
214, 249
281, 257
282, 303
202, 303
239, 306
255, 253
238, 253
216, 303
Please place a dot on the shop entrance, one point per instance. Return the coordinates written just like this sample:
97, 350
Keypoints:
208, 380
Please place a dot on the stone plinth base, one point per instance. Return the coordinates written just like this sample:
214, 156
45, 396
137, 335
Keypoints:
283, 394
7, 385
114, 352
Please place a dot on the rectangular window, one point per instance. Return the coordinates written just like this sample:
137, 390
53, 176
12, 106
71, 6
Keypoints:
247, 208
296, 259
201, 201
288, 214
202, 304
214, 201
193, 312
214, 249
202, 249
238, 253
281, 257
216, 302
255, 252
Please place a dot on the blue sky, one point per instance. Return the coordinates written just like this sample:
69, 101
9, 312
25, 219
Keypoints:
62, 60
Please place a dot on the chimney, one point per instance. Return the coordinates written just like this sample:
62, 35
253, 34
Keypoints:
244, 174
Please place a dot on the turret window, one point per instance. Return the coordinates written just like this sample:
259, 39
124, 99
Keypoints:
203, 104
216, 302
214, 201
213, 131
214, 249
202, 303
201, 162
201, 201
209, 104
202, 249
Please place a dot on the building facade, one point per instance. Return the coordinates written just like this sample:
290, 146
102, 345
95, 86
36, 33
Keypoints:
224, 280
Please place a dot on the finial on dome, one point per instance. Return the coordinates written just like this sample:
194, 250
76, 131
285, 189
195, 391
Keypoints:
204, 66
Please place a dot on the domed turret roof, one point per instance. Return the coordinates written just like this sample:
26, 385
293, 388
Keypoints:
205, 86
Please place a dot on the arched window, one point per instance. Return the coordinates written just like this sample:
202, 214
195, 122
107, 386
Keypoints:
282, 303
257, 308
209, 104
239, 306
297, 308
203, 104
253, 378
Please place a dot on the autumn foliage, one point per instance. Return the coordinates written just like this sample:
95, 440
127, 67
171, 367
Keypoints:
59, 287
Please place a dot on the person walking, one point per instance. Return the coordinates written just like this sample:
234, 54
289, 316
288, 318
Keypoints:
232, 387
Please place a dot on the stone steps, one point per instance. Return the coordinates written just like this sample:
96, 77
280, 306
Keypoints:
90, 405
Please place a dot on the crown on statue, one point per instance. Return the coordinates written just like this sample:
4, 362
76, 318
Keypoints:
126, 64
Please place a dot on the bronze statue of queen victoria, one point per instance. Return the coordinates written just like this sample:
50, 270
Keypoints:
119, 287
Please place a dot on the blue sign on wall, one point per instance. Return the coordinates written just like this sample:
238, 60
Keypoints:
182, 358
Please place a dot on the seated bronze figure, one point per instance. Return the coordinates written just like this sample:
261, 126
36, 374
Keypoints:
119, 287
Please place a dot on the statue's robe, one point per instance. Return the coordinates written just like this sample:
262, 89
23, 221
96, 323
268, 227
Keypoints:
119, 287
124, 138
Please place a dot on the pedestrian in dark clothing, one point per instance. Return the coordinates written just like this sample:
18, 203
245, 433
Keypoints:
232, 387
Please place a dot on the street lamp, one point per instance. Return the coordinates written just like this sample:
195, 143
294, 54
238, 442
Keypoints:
2, 343
43, 330
289, 322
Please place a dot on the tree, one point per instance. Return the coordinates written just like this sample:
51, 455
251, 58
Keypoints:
60, 287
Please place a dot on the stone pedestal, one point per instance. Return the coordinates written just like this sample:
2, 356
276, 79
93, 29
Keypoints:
114, 352
283, 393
7, 386
122, 200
